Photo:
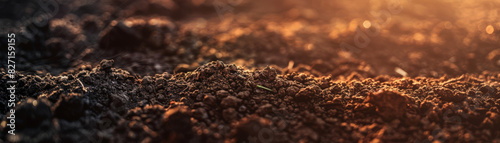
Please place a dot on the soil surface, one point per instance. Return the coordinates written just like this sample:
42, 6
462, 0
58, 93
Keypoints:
245, 71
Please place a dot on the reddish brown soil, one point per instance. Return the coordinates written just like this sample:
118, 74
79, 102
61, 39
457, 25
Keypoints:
157, 71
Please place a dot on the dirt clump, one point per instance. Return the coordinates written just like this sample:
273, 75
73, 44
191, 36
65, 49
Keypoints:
390, 104
222, 102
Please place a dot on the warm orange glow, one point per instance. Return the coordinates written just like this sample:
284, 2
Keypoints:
367, 24
490, 29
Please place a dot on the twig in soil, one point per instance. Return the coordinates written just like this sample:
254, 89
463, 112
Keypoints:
260, 86
241, 76
83, 87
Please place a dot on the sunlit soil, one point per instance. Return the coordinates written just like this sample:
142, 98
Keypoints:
259, 71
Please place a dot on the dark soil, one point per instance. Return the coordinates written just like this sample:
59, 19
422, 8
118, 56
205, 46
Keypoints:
174, 71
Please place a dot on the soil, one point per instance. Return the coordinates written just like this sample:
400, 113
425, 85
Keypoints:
176, 71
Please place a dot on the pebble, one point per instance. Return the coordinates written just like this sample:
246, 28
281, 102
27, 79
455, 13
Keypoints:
222, 93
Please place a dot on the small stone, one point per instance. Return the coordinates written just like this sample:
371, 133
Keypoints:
230, 101
106, 65
222, 93
242, 108
118, 100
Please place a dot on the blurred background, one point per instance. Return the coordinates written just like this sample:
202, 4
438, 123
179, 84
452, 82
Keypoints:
343, 39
